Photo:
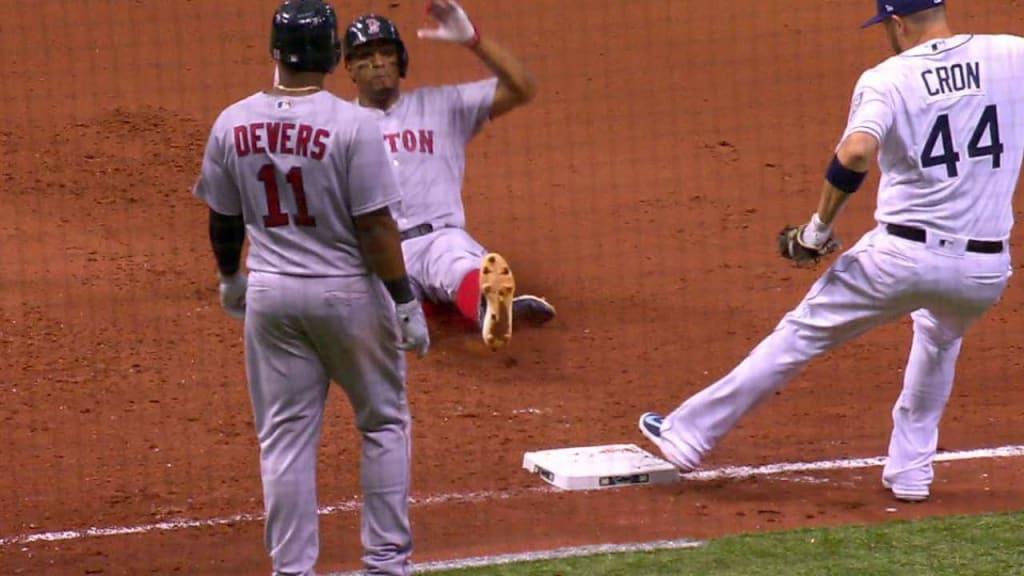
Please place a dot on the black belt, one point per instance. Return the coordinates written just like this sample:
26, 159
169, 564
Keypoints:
416, 231
919, 235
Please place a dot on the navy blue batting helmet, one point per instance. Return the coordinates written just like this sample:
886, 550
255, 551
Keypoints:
374, 27
304, 36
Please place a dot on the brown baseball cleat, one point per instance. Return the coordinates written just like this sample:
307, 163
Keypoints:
497, 289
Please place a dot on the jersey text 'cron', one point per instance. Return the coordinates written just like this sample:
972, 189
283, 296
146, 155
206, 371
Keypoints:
955, 78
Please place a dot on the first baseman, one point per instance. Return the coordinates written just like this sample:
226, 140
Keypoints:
945, 119
304, 176
425, 133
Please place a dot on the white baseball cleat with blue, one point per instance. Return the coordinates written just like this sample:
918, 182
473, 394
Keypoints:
651, 426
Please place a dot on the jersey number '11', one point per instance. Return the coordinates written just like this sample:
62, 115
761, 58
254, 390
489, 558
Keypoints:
949, 157
275, 215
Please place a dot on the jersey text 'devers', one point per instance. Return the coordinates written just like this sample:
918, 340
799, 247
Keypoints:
280, 138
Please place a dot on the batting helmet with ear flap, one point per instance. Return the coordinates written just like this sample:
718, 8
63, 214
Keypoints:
304, 36
374, 27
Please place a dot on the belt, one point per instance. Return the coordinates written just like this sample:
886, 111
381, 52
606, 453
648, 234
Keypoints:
416, 231
919, 235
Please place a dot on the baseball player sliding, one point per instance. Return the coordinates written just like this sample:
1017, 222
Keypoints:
425, 133
944, 118
303, 174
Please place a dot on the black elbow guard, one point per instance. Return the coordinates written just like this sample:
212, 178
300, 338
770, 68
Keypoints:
227, 234
843, 178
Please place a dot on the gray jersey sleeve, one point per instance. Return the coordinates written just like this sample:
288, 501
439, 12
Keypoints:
372, 184
215, 185
472, 105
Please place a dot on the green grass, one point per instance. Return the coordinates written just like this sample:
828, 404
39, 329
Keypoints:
954, 546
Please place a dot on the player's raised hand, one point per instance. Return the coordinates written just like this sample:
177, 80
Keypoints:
412, 325
232, 294
453, 24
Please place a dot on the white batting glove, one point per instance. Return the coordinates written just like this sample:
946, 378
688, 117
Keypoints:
412, 325
453, 24
232, 294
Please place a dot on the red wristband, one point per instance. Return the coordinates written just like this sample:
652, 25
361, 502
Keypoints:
475, 40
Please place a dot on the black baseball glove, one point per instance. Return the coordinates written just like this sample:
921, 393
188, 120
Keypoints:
792, 248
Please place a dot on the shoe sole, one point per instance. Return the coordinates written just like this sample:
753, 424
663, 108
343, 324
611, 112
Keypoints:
910, 497
498, 287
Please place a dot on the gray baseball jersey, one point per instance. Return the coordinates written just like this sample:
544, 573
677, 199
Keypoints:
299, 169
425, 134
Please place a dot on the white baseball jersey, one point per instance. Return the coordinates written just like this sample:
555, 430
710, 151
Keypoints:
298, 169
949, 117
425, 132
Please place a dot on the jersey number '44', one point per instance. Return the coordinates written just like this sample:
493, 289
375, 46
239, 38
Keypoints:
941, 137
275, 215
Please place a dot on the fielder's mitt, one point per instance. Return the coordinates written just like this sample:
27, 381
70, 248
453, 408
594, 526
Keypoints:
791, 248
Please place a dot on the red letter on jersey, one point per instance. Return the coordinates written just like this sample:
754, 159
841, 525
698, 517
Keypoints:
427, 142
241, 141
302, 145
273, 135
320, 144
286, 136
254, 132
392, 141
409, 140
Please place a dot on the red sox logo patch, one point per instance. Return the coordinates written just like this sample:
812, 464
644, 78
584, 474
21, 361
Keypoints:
373, 26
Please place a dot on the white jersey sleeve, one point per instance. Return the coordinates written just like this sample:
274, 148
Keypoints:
871, 109
215, 185
471, 105
371, 182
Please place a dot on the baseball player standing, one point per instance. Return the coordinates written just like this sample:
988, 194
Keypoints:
944, 118
305, 176
426, 132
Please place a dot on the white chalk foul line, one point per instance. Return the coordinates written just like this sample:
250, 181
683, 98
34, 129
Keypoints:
733, 472
556, 554
182, 524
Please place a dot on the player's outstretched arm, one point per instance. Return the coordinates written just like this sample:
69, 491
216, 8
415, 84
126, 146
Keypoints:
516, 85
844, 176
